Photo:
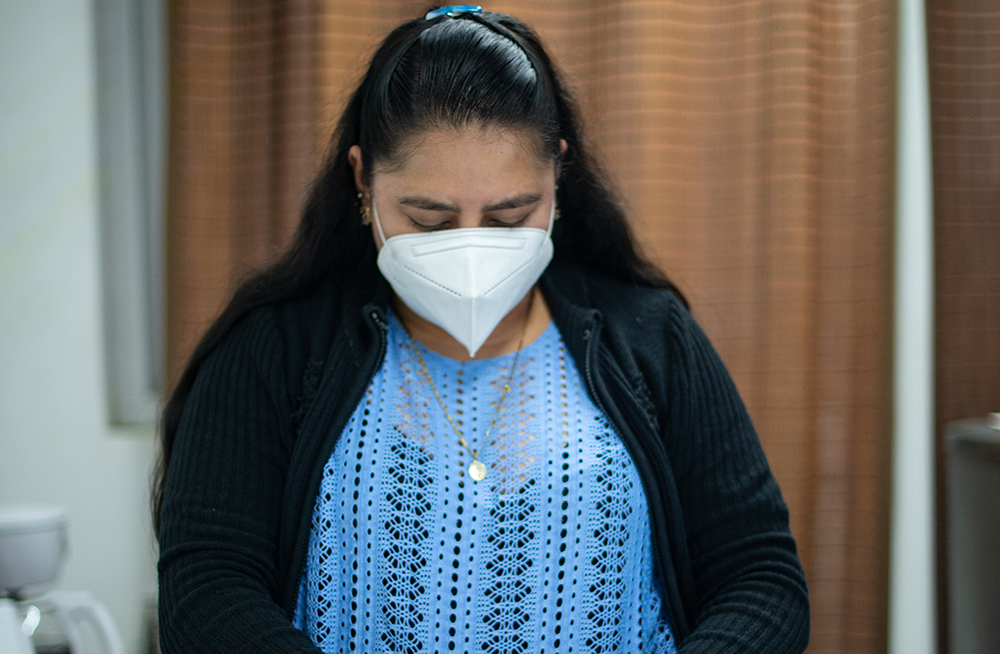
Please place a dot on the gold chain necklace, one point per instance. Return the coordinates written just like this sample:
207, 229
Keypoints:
477, 469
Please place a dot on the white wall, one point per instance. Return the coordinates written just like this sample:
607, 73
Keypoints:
55, 443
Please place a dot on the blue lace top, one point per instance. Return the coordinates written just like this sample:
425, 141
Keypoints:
550, 553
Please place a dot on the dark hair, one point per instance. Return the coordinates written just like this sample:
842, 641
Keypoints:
486, 70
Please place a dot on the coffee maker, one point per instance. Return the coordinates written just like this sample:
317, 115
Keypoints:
32, 548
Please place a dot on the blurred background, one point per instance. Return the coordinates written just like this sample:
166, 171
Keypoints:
820, 177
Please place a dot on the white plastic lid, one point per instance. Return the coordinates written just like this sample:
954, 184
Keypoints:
27, 518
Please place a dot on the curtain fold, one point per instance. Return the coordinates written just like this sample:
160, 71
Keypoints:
964, 53
753, 142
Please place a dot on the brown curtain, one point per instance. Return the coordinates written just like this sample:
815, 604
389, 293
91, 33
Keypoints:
964, 52
753, 141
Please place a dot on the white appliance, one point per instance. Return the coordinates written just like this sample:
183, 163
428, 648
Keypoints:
13, 639
32, 549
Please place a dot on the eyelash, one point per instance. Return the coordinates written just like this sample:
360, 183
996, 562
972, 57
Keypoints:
513, 223
443, 225
427, 228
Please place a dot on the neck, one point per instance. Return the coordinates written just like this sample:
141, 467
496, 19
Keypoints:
528, 319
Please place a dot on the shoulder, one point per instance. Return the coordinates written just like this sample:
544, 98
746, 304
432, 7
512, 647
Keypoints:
249, 355
272, 342
646, 334
306, 322
646, 320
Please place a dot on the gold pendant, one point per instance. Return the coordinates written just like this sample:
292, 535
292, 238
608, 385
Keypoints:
477, 470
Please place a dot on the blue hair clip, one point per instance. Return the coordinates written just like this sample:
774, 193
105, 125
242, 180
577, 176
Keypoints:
453, 11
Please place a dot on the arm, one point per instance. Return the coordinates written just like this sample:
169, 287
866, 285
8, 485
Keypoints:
749, 590
222, 501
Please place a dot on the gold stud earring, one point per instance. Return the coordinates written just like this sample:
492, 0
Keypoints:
366, 218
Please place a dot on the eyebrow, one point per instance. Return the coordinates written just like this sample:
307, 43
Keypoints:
427, 204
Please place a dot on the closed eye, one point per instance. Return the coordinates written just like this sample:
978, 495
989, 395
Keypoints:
428, 226
432, 215
509, 222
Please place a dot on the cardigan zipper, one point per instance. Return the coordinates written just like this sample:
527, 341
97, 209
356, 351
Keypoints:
383, 330
590, 338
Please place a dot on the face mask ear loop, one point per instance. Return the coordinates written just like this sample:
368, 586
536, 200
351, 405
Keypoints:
378, 223
552, 218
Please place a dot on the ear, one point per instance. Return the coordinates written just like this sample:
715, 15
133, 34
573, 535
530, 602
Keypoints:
354, 158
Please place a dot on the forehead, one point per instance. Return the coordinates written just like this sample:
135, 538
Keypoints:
471, 157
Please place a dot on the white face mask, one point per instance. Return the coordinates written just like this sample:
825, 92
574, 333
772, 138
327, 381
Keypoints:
465, 280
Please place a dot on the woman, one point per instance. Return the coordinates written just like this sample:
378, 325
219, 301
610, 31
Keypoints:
463, 413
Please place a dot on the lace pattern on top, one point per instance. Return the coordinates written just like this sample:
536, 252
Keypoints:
550, 553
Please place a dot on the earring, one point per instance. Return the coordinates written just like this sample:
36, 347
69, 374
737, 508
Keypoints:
366, 218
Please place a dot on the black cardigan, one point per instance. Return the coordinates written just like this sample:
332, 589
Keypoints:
270, 401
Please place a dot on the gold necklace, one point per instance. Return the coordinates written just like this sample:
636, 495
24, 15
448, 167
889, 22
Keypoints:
477, 469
